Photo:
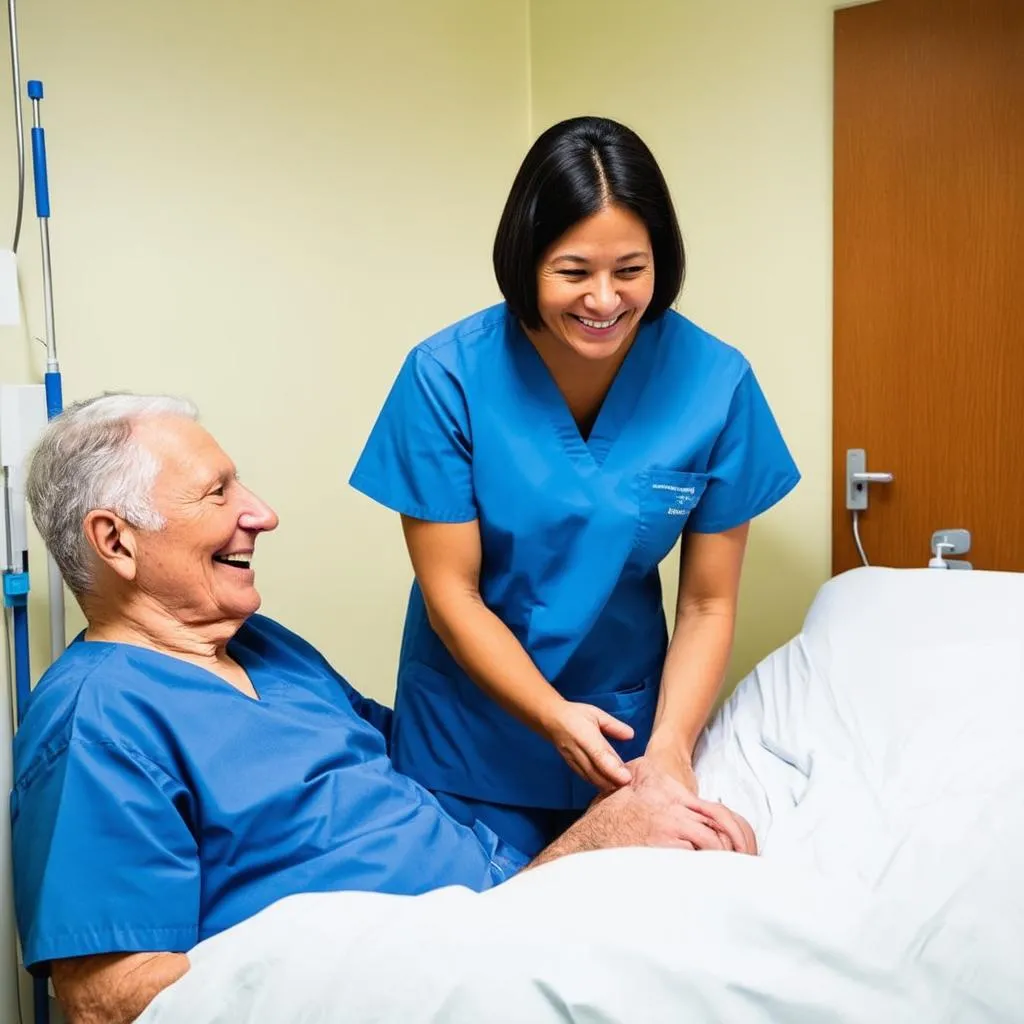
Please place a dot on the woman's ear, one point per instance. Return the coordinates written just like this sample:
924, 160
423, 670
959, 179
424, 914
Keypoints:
112, 540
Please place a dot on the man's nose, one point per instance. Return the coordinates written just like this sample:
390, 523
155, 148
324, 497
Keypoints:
257, 514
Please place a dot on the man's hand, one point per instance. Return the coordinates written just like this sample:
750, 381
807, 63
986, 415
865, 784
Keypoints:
578, 732
733, 831
653, 810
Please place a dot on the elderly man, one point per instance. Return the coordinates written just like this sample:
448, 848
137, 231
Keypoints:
187, 762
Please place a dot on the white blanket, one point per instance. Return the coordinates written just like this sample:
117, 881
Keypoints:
878, 757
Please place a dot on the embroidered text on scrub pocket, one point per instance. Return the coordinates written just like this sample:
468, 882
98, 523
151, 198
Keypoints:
685, 498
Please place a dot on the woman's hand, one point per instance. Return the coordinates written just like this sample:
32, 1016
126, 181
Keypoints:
578, 732
671, 759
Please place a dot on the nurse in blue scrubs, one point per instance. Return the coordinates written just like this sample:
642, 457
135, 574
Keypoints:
545, 455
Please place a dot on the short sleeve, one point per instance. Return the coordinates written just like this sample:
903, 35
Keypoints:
750, 468
104, 861
418, 459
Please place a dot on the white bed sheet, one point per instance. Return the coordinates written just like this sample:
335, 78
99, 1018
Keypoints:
878, 757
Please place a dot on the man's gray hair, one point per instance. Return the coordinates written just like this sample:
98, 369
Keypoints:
87, 459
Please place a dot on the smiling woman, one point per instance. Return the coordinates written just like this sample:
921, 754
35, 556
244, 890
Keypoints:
585, 282
594, 285
545, 455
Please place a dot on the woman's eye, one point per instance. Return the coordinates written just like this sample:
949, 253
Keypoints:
632, 271
218, 492
573, 273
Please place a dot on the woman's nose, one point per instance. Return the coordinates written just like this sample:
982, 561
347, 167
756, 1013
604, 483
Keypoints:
603, 297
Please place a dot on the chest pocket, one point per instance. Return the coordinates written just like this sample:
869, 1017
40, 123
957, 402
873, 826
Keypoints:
667, 498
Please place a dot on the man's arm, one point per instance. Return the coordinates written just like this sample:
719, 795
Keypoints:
113, 988
369, 710
106, 869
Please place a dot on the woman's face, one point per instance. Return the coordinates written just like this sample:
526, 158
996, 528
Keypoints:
596, 282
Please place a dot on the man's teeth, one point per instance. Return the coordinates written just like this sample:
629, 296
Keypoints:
598, 324
241, 558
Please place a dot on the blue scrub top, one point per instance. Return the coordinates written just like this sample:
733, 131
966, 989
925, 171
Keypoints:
572, 530
155, 805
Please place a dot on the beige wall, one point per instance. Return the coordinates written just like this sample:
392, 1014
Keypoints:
264, 206
734, 98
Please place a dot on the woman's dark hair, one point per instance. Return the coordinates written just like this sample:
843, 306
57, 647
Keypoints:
576, 168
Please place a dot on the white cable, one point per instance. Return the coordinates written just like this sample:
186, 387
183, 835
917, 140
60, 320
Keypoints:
856, 539
12, 21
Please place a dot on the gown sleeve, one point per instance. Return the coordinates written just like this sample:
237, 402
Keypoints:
104, 859
750, 468
418, 458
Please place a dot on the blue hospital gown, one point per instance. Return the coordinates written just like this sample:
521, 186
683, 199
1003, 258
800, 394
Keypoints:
155, 805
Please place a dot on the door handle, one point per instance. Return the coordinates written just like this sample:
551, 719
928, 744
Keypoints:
858, 478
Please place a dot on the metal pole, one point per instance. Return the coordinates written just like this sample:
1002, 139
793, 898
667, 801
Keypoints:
52, 379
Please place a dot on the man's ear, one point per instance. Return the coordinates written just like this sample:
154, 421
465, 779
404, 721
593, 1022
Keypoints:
113, 541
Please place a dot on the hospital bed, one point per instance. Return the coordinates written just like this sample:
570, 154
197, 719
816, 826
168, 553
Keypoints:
877, 755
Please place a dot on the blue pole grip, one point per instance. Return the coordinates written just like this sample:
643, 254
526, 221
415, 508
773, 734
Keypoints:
54, 395
39, 169
22, 669
40, 1001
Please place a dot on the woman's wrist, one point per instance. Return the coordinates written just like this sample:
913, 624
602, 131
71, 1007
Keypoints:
668, 741
547, 712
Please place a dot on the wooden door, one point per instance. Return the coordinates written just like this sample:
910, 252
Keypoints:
929, 276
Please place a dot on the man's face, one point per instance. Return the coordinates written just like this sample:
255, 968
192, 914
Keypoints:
198, 566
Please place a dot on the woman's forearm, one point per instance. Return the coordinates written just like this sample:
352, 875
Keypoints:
489, 653
692, 677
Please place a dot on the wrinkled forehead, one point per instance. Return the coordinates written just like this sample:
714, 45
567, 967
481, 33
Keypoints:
188, 457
